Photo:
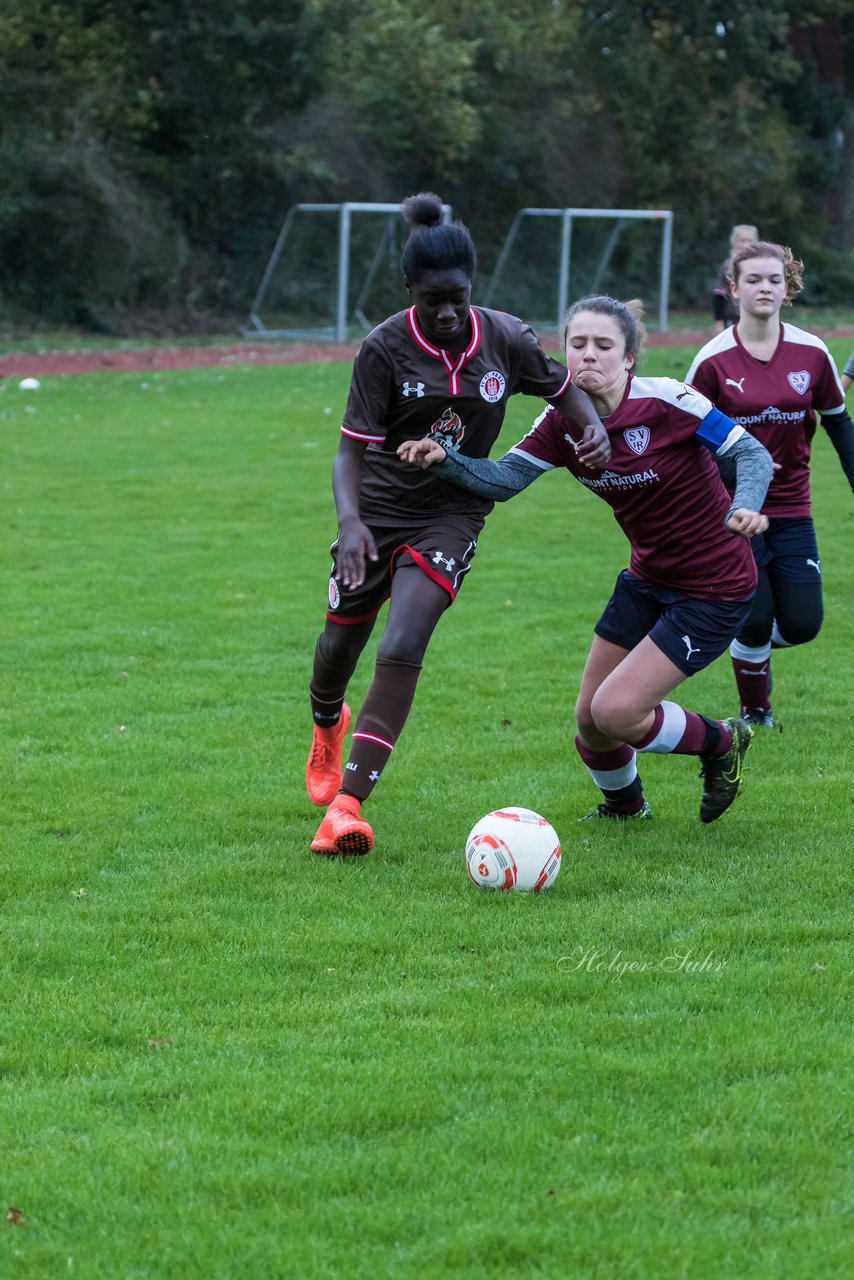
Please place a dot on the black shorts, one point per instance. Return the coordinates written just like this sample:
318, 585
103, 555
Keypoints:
690, 632
789, 545
443, 549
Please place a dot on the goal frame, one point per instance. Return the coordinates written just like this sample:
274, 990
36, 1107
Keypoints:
337, 332
568, 216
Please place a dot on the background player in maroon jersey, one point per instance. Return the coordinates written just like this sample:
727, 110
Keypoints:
773, 378
725, 307
690, 582
442, 369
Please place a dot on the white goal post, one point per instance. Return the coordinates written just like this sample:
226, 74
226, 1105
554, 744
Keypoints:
621, 217
343, 311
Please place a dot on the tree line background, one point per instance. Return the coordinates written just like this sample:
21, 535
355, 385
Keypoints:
150, 148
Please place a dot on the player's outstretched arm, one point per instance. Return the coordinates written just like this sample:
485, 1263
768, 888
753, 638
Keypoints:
499, 479
595, 448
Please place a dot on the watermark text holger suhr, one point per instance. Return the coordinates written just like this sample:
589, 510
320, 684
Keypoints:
616, 965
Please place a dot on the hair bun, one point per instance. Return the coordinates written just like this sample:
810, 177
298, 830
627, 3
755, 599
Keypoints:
422, 210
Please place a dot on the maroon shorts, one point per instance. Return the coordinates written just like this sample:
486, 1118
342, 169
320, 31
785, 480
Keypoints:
443, 549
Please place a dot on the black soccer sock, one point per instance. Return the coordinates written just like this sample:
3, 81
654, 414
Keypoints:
327, 689
381, 719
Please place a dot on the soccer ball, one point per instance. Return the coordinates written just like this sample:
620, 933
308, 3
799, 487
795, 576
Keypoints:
513, 849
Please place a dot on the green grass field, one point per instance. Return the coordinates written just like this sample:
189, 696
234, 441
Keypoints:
222, 1057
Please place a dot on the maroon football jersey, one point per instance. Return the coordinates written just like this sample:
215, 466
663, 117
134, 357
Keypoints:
664, 487
776, 401
404, 387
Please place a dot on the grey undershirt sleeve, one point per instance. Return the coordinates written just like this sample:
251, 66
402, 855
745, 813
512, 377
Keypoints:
499, 479
746, 464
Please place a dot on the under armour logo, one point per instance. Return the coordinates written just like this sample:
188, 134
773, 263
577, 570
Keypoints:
739, 386
373, 776
440, 559
689, 647
815, 564
408, 390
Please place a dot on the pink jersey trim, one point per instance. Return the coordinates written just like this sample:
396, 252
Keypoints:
360, 435
452, 364
557, 395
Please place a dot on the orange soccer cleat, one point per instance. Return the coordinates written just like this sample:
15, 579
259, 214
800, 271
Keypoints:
323, 770
342, 831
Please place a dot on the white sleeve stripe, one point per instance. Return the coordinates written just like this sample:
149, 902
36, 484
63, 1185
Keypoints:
529, 457
735, 434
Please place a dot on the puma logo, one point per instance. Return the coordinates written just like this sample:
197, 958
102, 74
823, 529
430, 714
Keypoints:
689, 647
815, 564
731, 382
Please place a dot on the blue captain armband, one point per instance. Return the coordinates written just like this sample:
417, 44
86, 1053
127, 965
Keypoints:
716, 430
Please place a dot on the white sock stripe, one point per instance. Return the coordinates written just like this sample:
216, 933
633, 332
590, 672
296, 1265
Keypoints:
743, 653
372, 737
671, 731
614, 779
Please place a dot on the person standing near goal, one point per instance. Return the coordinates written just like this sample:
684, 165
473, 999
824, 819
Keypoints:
725, 307
773, 379
443, 369
691, 577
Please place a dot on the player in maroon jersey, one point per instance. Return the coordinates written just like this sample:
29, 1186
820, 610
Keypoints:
773, 379
690, 581
441, 369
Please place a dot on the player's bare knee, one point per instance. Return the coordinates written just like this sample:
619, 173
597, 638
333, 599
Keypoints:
609, 718
584, 722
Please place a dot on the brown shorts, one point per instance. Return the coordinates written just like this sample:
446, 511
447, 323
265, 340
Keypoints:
443, 549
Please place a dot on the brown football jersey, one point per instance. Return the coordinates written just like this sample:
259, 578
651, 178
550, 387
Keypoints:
404, 387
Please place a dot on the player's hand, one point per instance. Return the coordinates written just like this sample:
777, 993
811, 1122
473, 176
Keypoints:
595, 448
355, 547
421, 453
747, 523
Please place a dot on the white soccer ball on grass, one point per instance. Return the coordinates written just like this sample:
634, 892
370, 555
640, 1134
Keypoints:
29, 384
513, 849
